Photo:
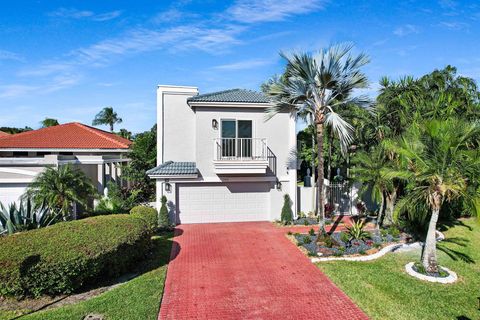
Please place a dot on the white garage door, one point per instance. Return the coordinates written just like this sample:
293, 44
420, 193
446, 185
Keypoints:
11, 192
231, 202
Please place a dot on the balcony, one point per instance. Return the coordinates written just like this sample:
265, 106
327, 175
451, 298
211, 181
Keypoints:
240, 156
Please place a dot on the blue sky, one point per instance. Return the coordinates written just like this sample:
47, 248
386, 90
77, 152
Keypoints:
68, 59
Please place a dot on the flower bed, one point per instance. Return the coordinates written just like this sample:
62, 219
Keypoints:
343, 244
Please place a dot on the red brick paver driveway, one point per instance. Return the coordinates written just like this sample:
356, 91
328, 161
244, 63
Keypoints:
247, 271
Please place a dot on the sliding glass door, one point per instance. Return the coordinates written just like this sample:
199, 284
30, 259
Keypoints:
236, 138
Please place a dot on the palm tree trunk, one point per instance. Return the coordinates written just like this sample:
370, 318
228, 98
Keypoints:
320, 177
111, 127
390, 199
380, 210
429, 255
330, 147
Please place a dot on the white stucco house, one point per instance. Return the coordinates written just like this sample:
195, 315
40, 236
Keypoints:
25, 155
219, 160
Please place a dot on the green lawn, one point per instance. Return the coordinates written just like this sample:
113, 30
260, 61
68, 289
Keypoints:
384, 291
137, 299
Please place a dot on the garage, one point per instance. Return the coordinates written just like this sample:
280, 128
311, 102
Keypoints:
11, 192
225, 202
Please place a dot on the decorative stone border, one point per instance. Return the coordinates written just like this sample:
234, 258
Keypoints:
380, 253
452, 276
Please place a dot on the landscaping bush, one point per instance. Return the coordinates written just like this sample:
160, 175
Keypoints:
287, 214
66, 256
163, 221
148, 214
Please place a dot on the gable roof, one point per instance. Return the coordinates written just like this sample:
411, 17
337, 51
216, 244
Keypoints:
171, 168
232, 95
72, 135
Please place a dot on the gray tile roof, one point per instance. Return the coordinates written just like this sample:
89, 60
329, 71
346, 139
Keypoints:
233, 95
171, 168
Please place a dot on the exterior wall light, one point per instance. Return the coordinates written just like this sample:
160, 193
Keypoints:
168, 187
214, 124
279, 185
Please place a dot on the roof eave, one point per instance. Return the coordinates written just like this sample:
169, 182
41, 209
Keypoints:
173, 176
229, 104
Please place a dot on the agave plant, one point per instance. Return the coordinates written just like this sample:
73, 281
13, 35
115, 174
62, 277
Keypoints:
25, 216
356, 232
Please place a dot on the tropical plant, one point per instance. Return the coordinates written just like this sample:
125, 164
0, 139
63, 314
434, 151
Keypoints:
124, 133
287, 214
163, 220
143, 156
49, 122
356, 231
59, 188
118, 200
369, 170
25, 216
313, 87
108, 117
440, 162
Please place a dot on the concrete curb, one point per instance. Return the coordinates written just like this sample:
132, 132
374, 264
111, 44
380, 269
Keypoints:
452, 276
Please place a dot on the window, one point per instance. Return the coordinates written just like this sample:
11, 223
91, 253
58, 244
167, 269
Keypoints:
236, 138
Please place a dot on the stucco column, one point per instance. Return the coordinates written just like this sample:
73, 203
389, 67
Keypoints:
113, 171
100, 178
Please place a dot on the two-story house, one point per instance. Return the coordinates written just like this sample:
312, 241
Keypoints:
219, 159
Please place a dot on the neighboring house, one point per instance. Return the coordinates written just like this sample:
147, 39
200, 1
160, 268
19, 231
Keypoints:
219, 160
24, 155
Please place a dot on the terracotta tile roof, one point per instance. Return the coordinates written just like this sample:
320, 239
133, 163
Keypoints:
72, 135
4, 134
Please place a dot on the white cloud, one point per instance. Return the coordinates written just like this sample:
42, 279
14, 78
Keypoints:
405, 30
15, 90
454, 25
8, 55
252, 11
242, 65
71, 13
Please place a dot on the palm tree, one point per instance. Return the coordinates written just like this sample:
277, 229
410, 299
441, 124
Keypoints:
49, 122
440, 161
314, 86
107, 116
60, 188
369, 170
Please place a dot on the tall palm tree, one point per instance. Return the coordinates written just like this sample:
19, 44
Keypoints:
439, 165
316, 85
59, 188
108, 117
49, 122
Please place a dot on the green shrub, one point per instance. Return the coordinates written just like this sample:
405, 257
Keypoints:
311, 232
66, 256
148, 214
287, 214
163, 221
307, 240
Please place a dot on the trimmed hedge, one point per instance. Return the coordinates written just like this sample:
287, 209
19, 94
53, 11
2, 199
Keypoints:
148, 214
66, 256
